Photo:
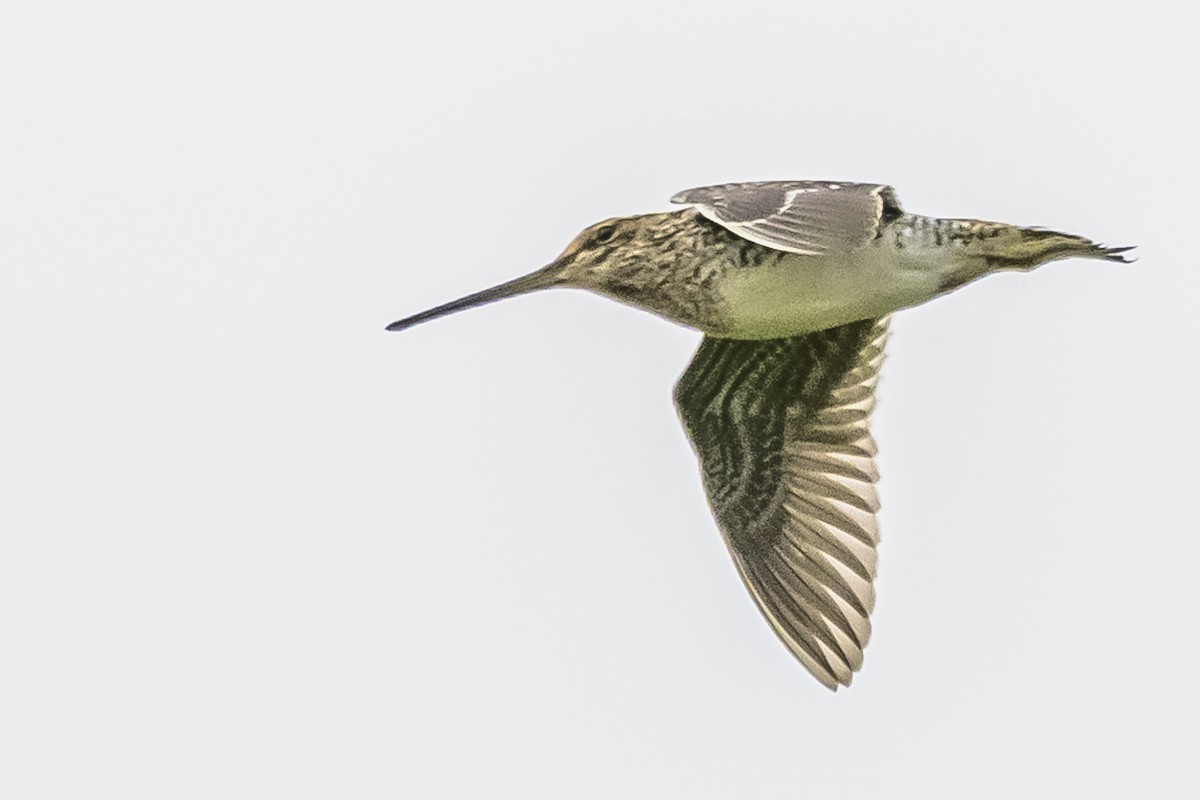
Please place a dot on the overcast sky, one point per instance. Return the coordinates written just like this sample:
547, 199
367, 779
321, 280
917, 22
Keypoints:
251, 545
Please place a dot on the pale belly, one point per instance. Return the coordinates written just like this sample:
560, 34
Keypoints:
801, 294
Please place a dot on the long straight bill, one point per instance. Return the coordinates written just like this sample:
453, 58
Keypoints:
542, 279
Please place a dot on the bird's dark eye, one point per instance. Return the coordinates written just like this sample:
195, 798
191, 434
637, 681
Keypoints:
602, 235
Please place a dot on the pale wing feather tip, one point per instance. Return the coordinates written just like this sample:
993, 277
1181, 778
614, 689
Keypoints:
808, 218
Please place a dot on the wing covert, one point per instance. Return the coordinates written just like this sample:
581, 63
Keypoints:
804, 217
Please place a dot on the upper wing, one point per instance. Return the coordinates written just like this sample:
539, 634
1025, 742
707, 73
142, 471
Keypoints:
780, 427
805, 217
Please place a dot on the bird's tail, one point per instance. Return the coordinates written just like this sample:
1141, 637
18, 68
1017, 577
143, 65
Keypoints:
1010, 247
1051, 245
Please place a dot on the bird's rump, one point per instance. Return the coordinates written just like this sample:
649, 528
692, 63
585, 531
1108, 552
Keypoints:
804, 217
781, 430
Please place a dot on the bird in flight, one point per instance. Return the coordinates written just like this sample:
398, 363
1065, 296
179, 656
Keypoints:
792, 284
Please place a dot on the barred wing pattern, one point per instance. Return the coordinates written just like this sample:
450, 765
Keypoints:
781, 430
805, 217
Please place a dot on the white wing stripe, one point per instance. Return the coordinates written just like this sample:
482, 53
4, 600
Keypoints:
804, 217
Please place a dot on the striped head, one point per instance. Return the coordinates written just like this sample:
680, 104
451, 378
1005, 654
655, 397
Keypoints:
649, 261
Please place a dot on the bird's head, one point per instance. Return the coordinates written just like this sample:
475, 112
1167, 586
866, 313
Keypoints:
613, 257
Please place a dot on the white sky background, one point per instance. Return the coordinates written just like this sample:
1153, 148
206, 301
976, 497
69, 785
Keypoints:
251, 545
